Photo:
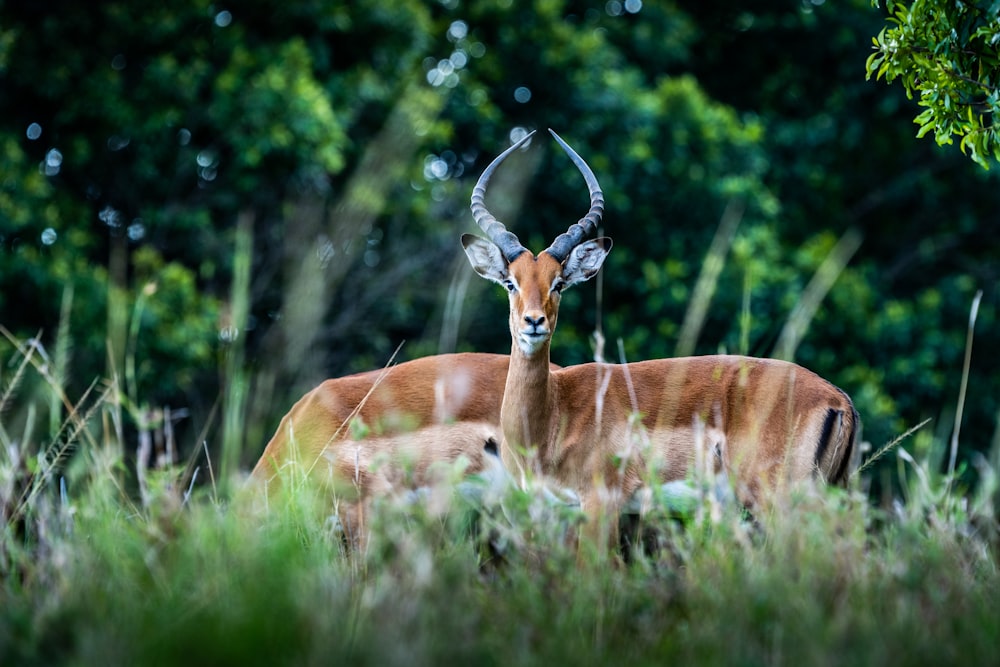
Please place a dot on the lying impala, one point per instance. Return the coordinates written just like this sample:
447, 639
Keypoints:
382, 431
605, 429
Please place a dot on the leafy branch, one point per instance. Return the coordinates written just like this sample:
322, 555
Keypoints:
946, 54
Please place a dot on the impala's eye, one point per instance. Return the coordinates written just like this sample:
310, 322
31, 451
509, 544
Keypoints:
509, 284
558, 286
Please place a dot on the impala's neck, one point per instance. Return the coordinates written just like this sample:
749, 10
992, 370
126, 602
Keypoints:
528, 407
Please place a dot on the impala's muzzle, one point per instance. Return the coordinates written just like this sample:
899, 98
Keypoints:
534, 332
532, 340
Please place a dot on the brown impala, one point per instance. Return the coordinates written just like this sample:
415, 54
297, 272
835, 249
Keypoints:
382, 431
605, 429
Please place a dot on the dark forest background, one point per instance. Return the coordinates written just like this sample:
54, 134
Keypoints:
222, 205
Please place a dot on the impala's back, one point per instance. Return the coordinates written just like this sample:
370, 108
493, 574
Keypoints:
761, 421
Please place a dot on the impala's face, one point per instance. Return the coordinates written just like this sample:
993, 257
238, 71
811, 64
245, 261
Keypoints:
535, 284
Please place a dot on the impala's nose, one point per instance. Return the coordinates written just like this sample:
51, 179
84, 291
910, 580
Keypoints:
534, 333
535, 322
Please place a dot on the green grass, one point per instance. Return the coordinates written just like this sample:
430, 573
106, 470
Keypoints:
95, 570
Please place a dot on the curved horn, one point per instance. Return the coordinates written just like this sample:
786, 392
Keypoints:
587, 225
495, 230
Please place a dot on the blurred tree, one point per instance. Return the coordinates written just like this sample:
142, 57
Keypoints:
135, 135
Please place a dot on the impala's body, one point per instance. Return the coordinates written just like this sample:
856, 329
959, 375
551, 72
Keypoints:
606, 429
733, 413
382, 431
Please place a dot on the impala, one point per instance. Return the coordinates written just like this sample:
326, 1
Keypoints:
381, 431
604, 430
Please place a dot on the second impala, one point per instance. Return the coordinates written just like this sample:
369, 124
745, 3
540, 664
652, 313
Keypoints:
384, 431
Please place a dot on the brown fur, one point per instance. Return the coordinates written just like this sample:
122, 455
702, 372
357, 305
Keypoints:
388, 430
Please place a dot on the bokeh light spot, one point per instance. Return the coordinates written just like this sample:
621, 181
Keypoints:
519, 133
136, 230
53, 162
458, 30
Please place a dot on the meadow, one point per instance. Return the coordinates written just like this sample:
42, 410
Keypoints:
109, 558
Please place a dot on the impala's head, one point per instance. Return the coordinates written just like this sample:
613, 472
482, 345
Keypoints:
535, 282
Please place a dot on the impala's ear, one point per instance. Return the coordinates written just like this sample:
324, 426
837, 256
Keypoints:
485, 258
585, 260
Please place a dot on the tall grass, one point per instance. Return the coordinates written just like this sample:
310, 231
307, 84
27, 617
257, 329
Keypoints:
114, 559
91, 573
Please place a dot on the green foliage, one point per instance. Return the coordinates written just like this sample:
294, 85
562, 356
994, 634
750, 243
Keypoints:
280, 111
169, 300
947, 54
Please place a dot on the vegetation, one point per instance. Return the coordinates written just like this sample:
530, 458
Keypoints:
205, 210
90, 573
948, 55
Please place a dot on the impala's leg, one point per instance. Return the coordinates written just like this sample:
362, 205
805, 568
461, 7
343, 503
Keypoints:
351, 514
602, 509
355, 481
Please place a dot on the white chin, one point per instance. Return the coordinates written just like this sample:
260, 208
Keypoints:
530, 345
